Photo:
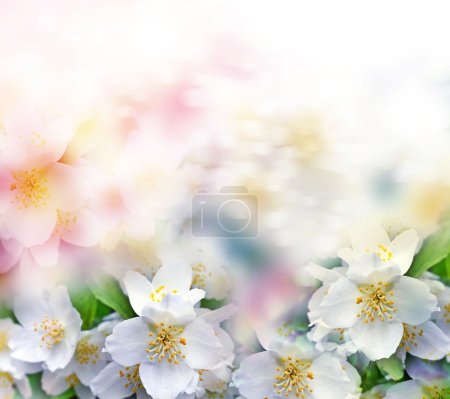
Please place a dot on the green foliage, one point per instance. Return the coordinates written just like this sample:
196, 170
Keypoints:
109, 293
434, 250
211, 303
442, 269
391, 367
6, 313
371, 376
85, 302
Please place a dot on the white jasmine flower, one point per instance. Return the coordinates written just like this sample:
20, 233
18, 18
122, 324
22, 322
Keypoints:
173, 277
169, 343
374, 300
292, 371
50, 329
368, 237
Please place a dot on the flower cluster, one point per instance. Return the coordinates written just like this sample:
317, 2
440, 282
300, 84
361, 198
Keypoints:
116, 116
164, 342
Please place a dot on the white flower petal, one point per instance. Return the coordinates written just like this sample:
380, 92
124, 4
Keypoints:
413, 300
128, 341
164, 380
377, 339
338, 308
330, 381
60, 356
25, 345
203, 349
431, 342
367, 235
109, 385
172, 309
403, 248
256, 376
195, 295
83, 392
29, 310
407, 389
322, 273
174, 275
138, 290
54, 383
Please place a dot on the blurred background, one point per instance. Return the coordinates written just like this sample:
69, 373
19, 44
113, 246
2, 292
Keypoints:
326, 111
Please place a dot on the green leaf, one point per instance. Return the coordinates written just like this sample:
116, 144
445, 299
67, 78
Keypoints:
109, 292
211, 303
85, 302
66, 395
434, 250
6, 313
392, 367
442, 269
371, 377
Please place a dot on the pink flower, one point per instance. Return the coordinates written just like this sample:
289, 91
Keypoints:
39, 193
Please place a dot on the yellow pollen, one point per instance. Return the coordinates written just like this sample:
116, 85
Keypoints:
3, 341
6, 380
292, 376
131, 379
64, 222
200, 275
30, 188
87, 353
375, 303
446, 313
72, 380
158, 294
37, 139
51, 330
410, 334
434, 392
167, 343
383, 253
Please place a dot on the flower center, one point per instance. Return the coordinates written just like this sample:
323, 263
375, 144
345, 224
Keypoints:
6, 380
199, 275
30, 188
132, 379
158, 294
72, 380
410, 334
434, 392
446, 313
375, 302
3, 341
52, 332
166, 341
293, 376
383, 253
86, 353
64, 221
